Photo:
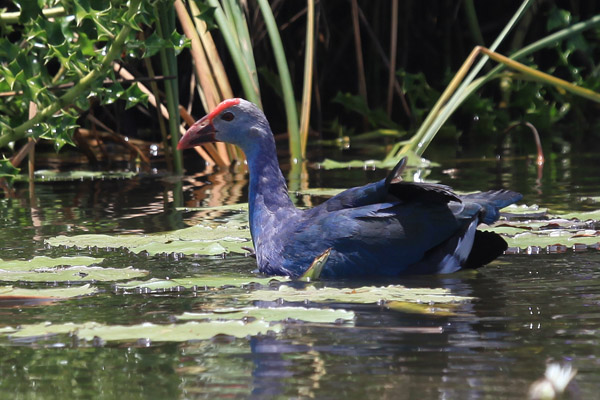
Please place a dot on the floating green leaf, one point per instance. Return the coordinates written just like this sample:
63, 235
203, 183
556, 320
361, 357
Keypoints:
440, 310
63, 269
552, 237
44, 175
158, 333
316, 315
518, 210
199, 239
413, 160
10, 292
590, 199
582, 215
366, 294
42, 263
322, 192
567, 229
235, 207
199, 282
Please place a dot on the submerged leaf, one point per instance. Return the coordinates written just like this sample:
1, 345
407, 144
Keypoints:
157, 333
366, 294
315, 315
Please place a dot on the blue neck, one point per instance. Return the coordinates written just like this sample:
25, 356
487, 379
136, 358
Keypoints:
268, 200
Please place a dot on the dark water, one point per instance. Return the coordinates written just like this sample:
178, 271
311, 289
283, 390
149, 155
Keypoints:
527, 309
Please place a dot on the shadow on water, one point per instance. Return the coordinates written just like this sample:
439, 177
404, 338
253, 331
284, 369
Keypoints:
526, 309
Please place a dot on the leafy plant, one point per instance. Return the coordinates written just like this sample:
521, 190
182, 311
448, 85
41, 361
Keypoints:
61, 55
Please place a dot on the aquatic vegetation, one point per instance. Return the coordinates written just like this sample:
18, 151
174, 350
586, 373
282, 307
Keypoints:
274, 314
22, 294
90, 331
198, 282
362, 295
199, 239
63, 269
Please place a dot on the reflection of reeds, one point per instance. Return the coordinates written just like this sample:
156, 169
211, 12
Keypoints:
224, 188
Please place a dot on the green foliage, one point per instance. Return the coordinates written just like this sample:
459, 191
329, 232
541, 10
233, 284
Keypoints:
156, 333
199, 239
63, 269
15, 293
7, 170
64, 60
375, 117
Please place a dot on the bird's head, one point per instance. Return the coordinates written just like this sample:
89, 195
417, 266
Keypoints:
234, 121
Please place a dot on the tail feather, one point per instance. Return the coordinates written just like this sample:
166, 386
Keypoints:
492, 202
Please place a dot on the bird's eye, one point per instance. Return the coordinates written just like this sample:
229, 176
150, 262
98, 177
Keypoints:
227, 116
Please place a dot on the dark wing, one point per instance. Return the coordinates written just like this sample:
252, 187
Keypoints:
391, 189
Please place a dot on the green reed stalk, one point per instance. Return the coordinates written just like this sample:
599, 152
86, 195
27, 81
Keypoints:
251, 90
434, 120
165, 21
309, 53
286, 81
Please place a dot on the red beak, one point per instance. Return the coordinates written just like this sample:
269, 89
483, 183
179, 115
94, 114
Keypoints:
202, 131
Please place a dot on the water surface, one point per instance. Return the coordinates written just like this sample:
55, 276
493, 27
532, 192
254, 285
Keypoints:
527, 309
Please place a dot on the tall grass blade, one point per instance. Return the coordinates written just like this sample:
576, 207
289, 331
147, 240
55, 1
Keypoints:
470, 86
393, 51
209, 87
433, 122
309, 53
286, 81
165, 20
251, 90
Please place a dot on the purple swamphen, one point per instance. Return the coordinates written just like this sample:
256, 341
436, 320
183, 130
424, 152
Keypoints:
385, 228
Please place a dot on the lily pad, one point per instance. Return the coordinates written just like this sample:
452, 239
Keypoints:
413, 160
523, 211
199, 239
582, 215
554, 237
157, 333
321, 192
50, 175
63, 269
198, 282
590, 199
41, 263
225, 207
315, 315
365, 295
439, 310
10, 292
